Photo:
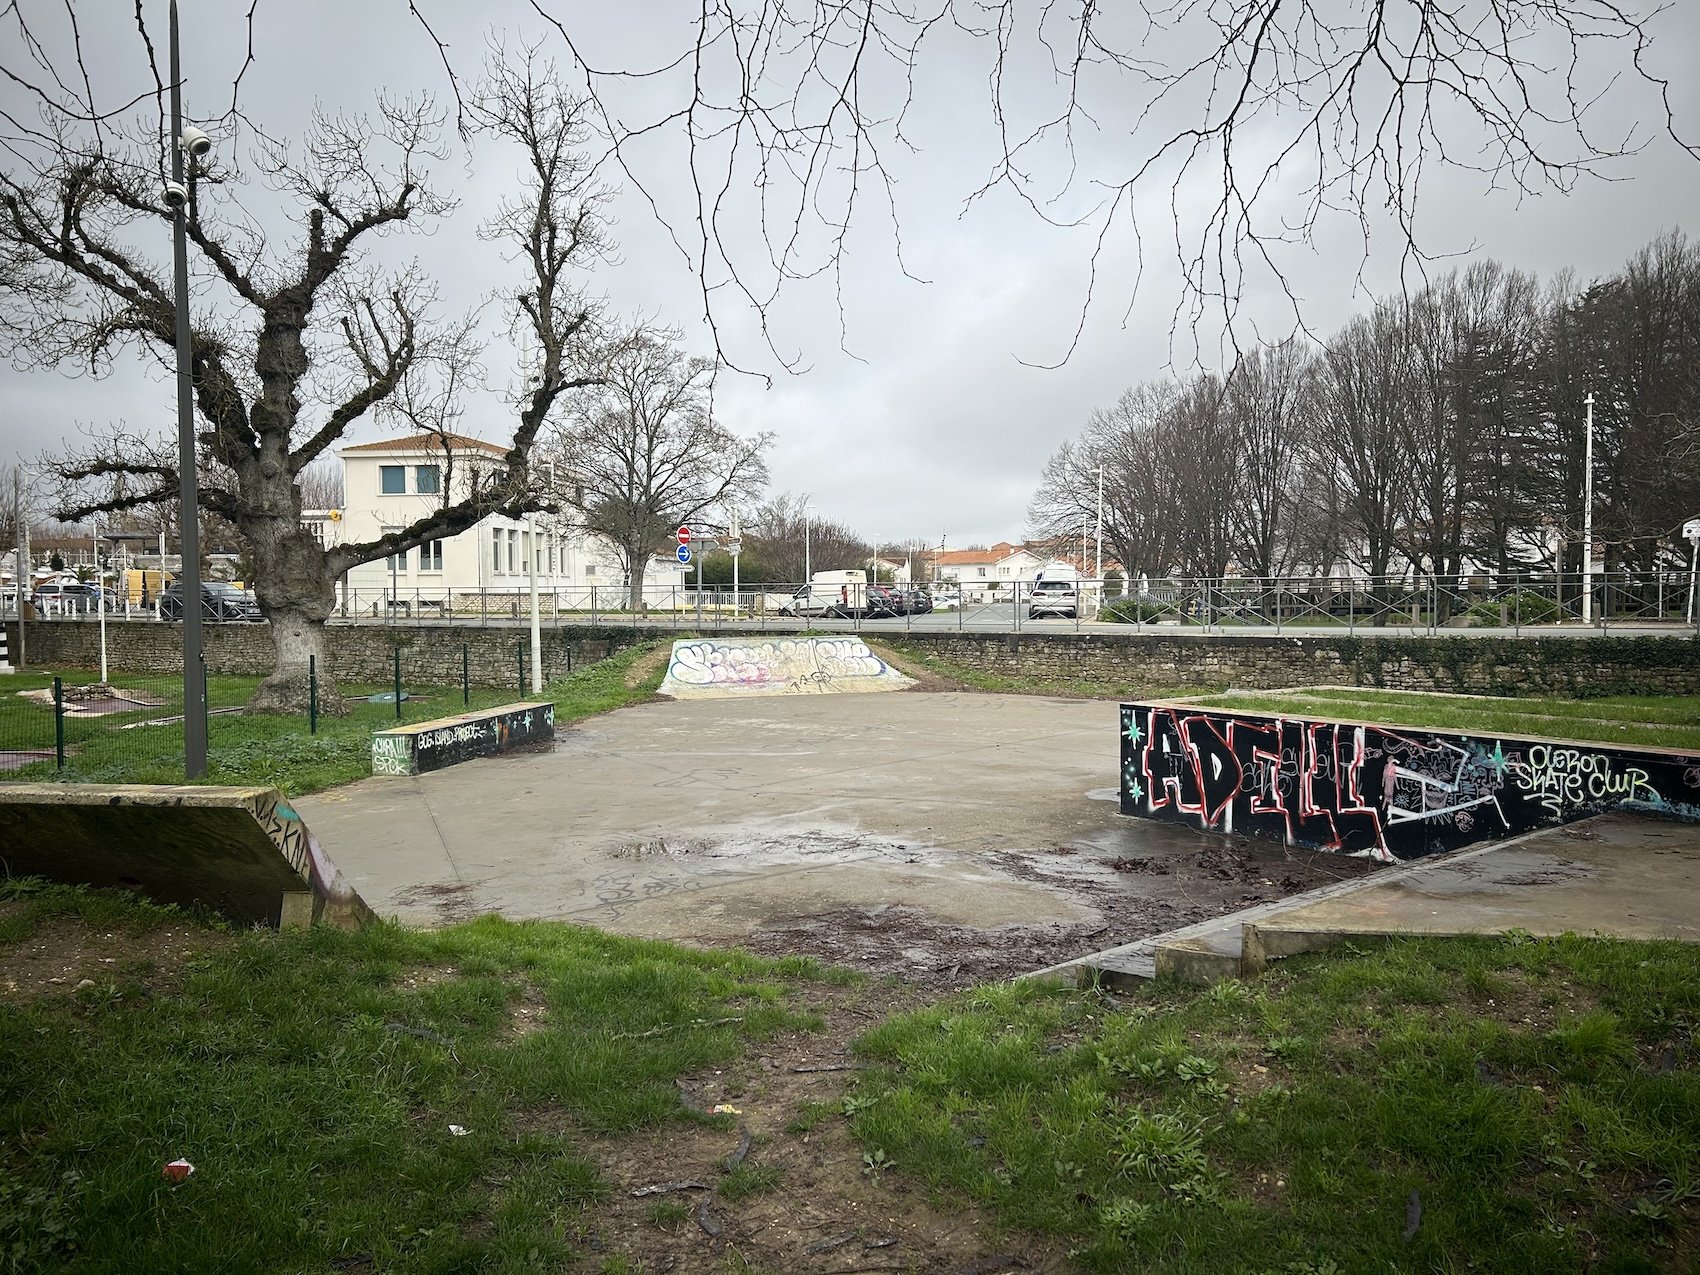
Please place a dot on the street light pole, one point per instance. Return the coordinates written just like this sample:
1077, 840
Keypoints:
188, 494
1588, 518
531, 552
1100, 567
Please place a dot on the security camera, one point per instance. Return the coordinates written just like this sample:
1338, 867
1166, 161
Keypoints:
194, 142
175, 195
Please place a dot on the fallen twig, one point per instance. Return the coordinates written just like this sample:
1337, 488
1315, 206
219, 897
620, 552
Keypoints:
664, 1188
837, 1241
833, 1067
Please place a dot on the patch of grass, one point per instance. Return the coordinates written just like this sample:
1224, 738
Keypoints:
923, 657
810, 1114
1671, 721
746, 1179
274, 749
312, 1078
1284, 1126
669, 1215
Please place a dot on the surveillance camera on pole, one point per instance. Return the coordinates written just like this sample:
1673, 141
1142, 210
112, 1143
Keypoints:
195, 144
175, 195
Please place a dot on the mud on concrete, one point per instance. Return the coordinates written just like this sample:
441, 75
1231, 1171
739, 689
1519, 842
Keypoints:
1120, 898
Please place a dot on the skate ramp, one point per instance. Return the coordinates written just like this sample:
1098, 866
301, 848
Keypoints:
711, 668
241, 851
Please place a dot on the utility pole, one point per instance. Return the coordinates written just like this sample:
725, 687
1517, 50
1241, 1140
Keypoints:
1588, 518
531, 551
735, 546
188, 494
23, 571
1098, 572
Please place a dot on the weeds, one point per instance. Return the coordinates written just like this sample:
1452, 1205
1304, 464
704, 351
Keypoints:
1282, 1127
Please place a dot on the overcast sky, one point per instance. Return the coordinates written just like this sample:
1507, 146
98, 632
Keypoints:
916, 411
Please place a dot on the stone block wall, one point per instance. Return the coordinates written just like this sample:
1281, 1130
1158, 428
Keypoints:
1138, 662
430, 653
1468, 665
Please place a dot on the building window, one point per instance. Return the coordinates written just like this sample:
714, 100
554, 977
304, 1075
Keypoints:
431, 556
1003, 571
496, 544
427, 479
513, 551
981, 572
590, 569
392, 480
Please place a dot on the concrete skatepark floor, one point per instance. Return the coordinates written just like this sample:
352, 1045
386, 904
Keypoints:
947, 838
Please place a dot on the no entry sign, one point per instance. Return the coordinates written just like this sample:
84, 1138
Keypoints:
684, 535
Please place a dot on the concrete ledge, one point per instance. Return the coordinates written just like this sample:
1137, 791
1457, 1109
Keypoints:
241, 851
425, 746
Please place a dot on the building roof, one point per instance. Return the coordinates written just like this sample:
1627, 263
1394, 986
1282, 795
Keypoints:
427, 443
974, 557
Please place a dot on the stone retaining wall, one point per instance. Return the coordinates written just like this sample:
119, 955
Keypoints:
1468, 665
1135, 661
430, 653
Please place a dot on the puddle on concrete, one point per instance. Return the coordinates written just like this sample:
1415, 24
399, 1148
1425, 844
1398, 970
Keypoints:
1104, 794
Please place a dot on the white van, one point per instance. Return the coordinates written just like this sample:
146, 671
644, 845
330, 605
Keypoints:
828, 592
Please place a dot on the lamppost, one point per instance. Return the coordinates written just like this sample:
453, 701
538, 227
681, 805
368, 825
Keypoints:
1588, 518
1099, 569
186, 144
735, 546
808, 574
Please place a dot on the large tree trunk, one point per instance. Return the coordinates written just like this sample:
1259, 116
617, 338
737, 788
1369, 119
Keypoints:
297, 593
637, 570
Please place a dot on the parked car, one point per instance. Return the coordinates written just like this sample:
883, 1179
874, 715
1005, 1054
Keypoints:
883, 602
916, 602
219, 602
1054, 597
66, 597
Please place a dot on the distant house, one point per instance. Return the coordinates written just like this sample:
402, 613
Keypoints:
391, 484
983, 571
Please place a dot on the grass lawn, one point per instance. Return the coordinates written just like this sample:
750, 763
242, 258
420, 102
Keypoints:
312, 1078
1671, 721
1420, 1105
273, 749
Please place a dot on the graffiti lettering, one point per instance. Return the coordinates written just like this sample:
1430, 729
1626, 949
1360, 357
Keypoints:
1386, 793
796, 665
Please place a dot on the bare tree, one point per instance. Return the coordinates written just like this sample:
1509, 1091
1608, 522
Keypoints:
790, 541
294, 342
1361, 388
644, 453
1264, 406
789, 111
321, 486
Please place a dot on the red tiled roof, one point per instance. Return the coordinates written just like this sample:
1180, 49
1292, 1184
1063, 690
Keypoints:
429, 442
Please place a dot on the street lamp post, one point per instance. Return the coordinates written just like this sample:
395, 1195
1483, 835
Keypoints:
1099, 569
735, 546
188, 495
1588, 518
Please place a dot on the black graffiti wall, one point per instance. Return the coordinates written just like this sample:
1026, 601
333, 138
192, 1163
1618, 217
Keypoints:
1389, 792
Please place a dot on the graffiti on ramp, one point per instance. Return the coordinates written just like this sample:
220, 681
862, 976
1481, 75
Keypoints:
706, 667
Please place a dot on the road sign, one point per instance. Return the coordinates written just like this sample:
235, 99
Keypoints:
734, 547
684, 553
684, 537
1691, 530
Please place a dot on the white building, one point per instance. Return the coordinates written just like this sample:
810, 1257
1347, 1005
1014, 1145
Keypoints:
391, 484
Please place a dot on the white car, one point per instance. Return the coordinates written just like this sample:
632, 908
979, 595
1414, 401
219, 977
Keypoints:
1054, 597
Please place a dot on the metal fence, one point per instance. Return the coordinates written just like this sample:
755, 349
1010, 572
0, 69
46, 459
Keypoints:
1516, 601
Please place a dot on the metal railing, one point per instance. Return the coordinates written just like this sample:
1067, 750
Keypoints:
1515, 602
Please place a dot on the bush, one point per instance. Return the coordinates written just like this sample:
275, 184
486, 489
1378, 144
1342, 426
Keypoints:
1139, 611
1527, 607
